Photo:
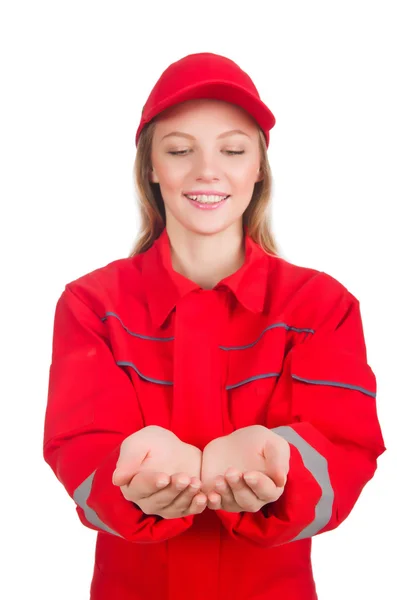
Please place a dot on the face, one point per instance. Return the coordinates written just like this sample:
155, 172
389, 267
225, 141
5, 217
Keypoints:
193, 149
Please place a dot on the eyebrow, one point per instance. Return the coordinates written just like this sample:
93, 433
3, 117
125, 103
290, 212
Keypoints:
191, 137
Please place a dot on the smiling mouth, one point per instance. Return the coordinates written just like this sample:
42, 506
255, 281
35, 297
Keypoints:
218, 199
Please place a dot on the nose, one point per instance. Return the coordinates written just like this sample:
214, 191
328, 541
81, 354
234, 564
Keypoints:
205, 168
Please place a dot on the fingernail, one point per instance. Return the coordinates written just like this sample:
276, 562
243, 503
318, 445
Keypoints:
161, 483
182, 484
251, 479
234, 478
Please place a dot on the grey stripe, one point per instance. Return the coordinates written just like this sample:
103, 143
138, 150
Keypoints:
157, 339
262, 376
80, 497
266, 329
336, 384
139, 335
130, 364
318, 467
253, 378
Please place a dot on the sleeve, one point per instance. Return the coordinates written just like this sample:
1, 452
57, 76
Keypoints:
91, 408
333, 433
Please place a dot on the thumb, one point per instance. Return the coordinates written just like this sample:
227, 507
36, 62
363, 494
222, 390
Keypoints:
122, 476
132, 454
277, 461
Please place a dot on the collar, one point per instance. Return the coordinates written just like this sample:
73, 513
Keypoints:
164, 286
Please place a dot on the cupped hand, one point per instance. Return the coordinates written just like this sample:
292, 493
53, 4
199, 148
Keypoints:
154, 455
250, 465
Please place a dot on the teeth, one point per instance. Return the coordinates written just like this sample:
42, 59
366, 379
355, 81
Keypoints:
206, 199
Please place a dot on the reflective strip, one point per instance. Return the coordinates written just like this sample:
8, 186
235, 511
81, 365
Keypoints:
80, 497
336, 384
318, 467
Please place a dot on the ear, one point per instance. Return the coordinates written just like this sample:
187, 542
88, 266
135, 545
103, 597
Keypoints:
260, 175
152, 176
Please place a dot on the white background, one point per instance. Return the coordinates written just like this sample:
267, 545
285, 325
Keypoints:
74, 78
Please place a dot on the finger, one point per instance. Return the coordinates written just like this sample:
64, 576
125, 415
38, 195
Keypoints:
122, 476
263, 487
222, 497
198, 504
214, 502
190, 500
167, 495
129, 461
277, 456
244, 496
145, 484
185, 496
199, 500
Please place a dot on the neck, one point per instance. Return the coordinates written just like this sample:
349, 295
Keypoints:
207, 259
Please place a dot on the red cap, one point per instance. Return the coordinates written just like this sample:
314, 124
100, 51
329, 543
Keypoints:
206, 75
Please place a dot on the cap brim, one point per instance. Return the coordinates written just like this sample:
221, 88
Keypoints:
219, 90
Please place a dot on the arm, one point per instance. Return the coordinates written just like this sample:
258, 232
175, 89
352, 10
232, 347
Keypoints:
333, 432
91, 408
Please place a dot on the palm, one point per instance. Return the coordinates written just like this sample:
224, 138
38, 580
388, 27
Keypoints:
242, 450
158, 450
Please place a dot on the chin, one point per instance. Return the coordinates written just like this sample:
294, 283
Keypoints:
208, 229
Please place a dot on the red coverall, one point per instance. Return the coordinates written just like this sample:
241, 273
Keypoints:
136, 344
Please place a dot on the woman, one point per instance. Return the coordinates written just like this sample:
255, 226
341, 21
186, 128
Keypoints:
210, 404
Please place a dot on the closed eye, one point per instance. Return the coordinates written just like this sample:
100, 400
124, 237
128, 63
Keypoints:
183, 152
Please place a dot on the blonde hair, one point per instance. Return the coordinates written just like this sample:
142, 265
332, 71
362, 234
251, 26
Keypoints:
151, 205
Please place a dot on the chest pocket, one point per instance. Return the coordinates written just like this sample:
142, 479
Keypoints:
148, 362
251, 376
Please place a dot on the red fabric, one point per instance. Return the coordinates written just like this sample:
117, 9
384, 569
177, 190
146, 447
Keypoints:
206, 75
136, 344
